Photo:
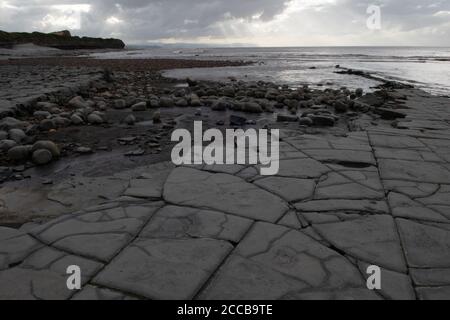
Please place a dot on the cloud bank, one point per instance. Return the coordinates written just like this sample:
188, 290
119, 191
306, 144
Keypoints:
258, 22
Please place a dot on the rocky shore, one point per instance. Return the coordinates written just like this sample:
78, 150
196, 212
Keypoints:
364, 179
106, 99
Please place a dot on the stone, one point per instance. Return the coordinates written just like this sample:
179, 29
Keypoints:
359, 92
305, 121
286, 118
42, 156
119, 104
3, 135
47, 124
222, 192
130, 120
83, 150
140, 106
325, 121
156, 117
181, 102
17, 135
61, 121
340, 106
41, 114
78, 103
154, 103
94, 119
19, 153
251, 107
389, 114
166, 102
47, 145
76, 119
5, 145
237, 120
8, 123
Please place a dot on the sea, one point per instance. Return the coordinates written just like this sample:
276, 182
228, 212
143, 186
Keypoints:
427, 68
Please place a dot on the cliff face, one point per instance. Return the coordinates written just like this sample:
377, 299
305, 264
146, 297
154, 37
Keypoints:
60, 40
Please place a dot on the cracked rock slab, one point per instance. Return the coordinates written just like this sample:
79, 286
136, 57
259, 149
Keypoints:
15, 245
274, 262
290, 189
425, 246
98, 234
42, 276
174, 222
222, 192
417, 171
372, 239
173, 269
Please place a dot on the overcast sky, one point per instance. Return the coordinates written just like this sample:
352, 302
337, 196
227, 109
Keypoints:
257, 22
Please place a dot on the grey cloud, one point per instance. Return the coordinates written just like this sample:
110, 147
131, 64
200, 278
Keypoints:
152, 20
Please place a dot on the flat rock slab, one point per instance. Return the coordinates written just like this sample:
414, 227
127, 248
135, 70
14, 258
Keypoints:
274, 262
98, 234
414, 171
222, 192
290, 189
164, 268
425, 246
42, 276
173, 222
371, 239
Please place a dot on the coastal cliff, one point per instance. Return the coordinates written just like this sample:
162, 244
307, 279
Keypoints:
60, 40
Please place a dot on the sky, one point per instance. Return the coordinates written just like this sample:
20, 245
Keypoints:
248, 22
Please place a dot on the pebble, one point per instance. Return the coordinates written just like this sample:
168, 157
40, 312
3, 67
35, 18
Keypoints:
305, 121
76, 119
47, 124
5, 145
12, 123
130, 120
83, 150
42, 156
19, 153
47, 145
140, 106
41, 114
157, 117
120, 104
286, 118
320, 120
17, 135
166, 102
340, 106
78, 102
94, 118
237, 120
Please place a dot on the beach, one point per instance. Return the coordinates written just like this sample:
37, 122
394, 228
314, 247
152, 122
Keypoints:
87, 178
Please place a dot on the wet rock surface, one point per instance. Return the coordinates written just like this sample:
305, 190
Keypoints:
111, 202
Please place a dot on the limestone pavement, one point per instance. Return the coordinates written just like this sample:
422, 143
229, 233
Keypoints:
338, 204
